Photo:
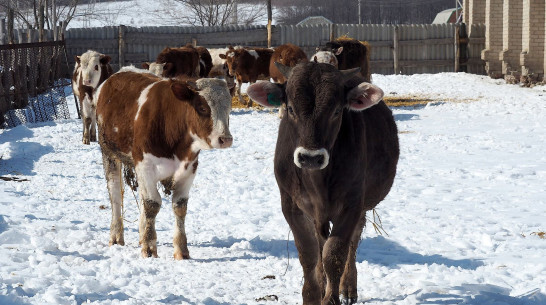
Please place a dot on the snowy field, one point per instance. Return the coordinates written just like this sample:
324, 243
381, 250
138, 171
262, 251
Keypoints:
465, 217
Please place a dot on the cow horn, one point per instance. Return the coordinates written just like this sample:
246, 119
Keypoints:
349, 73
285, 70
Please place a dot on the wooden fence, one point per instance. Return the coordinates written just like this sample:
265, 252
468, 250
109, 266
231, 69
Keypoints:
405, 49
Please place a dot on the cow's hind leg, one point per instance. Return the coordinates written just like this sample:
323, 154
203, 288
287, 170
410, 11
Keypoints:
348, 290
112, 172
149, 207
308, 249
181, 192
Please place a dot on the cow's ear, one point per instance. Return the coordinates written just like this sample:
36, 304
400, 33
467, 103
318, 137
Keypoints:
105, 59
338, 51
364, 96
146, 65
182, 91
77, 58
266, 94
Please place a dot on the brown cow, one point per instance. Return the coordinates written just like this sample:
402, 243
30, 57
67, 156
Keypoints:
350, 53
179, 61
288, 55
158, 126
247, 65
205, 61
91, 70
336, 157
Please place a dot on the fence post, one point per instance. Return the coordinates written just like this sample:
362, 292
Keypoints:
332, 32
457, 48
121, 46
2, 30
395, 50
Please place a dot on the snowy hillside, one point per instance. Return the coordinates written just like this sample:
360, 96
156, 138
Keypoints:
139, 13
465, 218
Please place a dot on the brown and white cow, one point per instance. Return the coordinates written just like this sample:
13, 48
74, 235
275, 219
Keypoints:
157, 126
247, 65
220, 69
351, 53
90, 70
336, 157
179, 61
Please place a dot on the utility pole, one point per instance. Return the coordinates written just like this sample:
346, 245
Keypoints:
269, 20
359, 11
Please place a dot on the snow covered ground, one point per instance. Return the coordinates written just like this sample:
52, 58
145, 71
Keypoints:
464, 217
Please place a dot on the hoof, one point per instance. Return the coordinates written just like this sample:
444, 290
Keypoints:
149, 253
181, 256
120, 242
347, 300
86, 141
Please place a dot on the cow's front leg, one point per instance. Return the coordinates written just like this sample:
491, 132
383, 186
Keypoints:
87, 119
335, 252
239, 85
149, 207
308, 249
112, 172
348, 292
181, 192
93, 129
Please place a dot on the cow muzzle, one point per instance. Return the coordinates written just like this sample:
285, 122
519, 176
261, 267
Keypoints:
225, 141
311, 159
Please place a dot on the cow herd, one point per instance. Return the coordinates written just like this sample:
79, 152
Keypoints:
336, 155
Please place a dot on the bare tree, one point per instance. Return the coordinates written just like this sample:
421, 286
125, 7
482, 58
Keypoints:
220, 12
39, 14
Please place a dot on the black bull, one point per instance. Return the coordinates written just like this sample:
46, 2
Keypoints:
336, 158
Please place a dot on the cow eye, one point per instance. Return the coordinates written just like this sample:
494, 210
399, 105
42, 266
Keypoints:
96, 67
337, 112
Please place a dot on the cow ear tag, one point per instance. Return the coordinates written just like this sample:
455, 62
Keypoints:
273, 99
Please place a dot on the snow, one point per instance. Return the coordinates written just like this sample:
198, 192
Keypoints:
463, 218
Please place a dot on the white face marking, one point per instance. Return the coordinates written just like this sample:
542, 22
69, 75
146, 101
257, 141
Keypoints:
253, 53
143, 98
326, 57
116, 129
157, 68
216, 93
90, 68
312, 153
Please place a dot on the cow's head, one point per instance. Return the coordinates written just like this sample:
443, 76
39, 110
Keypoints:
154, 67
212, 105
317, 97
91, 64
236, 58
326, 57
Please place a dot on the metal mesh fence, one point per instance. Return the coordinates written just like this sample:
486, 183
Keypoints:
32, 86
